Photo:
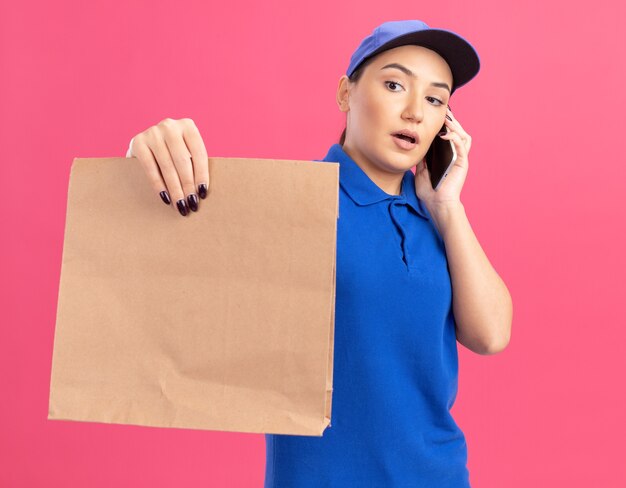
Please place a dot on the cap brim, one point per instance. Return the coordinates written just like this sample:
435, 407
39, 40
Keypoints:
460, 55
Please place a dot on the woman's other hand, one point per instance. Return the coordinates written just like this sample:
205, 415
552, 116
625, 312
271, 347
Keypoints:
174, 157
449, 192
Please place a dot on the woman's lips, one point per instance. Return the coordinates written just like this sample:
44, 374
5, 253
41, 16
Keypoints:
403, 143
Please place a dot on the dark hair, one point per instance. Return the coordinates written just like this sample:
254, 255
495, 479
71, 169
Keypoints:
354, 77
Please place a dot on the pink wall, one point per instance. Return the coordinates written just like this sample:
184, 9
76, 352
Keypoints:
545, 195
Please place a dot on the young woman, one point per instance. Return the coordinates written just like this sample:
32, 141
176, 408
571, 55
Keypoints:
412, 278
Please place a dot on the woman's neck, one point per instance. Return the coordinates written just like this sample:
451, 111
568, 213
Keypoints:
390, 183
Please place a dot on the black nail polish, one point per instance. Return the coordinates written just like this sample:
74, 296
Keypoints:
182, 206
202, 190
165, 197
448, 117
193, 202
450, 108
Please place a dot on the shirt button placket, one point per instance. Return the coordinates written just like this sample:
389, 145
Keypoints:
393, 208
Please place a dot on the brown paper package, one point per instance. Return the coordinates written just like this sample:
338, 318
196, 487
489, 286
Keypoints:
220, 320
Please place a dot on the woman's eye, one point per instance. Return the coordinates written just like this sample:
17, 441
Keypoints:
392, 83
395, 83
436, 99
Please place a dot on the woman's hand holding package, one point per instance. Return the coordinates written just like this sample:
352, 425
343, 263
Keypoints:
174, 157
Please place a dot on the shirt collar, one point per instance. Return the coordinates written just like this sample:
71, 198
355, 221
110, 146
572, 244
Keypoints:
363, 191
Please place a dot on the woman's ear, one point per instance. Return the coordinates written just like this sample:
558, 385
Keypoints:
343, 93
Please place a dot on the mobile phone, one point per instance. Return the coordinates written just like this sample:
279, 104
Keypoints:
440, 158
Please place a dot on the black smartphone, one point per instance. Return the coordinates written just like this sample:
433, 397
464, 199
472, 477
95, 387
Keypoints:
440, 157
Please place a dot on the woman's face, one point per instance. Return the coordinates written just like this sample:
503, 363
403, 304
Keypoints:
386, 100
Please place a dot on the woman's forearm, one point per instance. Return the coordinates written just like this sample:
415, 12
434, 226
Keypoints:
482, 304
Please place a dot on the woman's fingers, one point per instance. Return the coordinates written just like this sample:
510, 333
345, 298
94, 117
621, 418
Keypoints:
174, 157
142, 152
169, 170
181, 157
454, 125
199, 157
460, 145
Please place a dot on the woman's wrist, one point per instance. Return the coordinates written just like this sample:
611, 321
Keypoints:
444, 214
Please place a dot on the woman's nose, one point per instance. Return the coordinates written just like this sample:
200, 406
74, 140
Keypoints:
414, 110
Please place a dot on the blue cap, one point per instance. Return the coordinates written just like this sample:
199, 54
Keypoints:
458, 53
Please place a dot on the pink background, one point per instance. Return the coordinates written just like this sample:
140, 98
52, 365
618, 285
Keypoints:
545, 196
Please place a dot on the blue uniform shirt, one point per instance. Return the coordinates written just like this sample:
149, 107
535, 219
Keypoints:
395, 366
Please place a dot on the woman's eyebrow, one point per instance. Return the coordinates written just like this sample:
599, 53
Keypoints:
407, 71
